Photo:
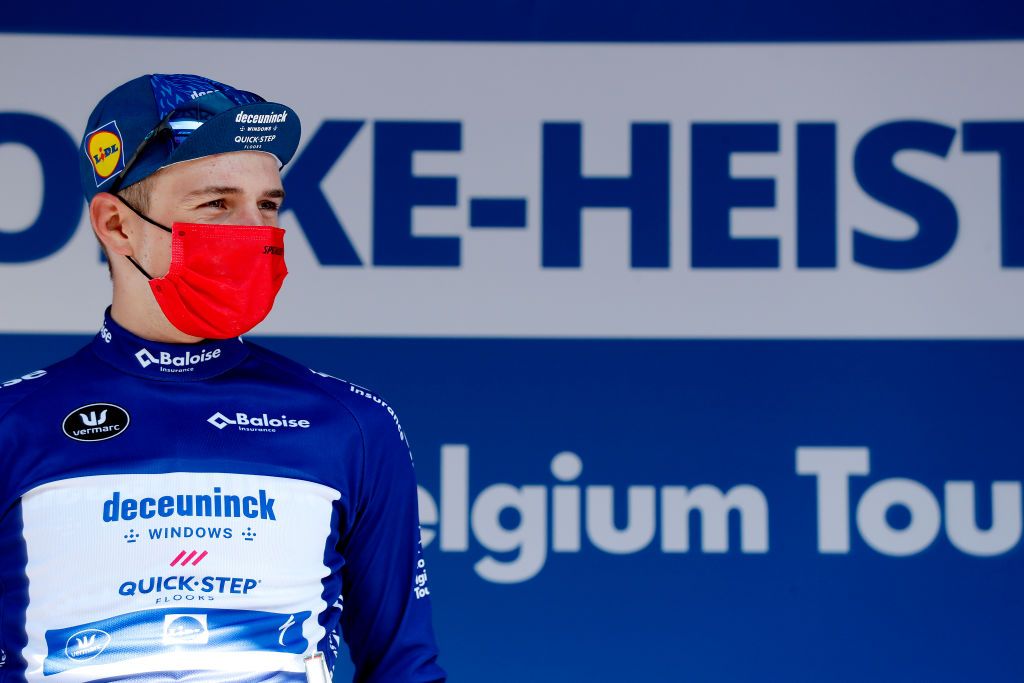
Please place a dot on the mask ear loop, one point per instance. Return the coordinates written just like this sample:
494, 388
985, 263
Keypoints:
148, 220
140, 268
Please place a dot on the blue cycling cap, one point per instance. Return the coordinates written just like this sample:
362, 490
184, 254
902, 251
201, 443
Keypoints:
157, 120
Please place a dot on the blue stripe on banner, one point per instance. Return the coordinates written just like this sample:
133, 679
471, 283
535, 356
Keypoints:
494, 212
156, 631
525, 20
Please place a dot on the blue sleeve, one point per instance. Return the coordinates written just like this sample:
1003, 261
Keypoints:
386, 614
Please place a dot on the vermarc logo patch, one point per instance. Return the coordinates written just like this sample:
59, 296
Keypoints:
96, 422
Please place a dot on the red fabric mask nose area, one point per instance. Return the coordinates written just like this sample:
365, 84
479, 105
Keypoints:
223, 279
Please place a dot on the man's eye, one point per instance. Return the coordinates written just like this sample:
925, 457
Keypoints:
216, 204
269, 206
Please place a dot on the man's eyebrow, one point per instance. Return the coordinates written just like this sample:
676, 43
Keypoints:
276, 193
212, 189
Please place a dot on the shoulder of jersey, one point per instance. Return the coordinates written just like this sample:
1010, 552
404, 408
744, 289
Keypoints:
366, 407
16, 389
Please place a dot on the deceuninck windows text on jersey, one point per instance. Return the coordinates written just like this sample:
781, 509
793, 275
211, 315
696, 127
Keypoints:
210, 512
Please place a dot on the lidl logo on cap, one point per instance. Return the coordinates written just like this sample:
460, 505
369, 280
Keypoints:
103, 147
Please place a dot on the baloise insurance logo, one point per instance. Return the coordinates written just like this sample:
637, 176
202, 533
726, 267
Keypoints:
182, 362
256, 423
96, 422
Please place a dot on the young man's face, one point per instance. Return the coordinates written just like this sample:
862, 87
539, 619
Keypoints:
235, 188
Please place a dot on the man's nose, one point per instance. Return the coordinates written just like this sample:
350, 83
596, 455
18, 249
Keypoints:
248, 214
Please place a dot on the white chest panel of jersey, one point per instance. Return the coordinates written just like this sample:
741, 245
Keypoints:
177, 572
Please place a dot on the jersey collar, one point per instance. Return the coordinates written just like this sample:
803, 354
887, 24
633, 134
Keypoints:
169, 362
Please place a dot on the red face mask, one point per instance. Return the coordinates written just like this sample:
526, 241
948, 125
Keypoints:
223, 279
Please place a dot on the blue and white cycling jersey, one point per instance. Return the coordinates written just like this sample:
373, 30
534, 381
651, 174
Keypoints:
210, 512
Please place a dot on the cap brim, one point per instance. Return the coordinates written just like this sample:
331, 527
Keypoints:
262, 127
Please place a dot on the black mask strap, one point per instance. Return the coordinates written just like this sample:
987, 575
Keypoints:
148, 220
141, 269
143, 216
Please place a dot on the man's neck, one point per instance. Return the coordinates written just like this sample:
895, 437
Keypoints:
145, 319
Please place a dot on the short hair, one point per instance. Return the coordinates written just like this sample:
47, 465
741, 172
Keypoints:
137, 194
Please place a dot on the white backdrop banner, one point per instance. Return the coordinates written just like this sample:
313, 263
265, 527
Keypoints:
584, 190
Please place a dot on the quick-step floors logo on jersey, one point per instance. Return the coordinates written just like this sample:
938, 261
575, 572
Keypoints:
183, 587
187, 588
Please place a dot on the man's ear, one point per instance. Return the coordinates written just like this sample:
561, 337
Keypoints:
107, 215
